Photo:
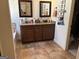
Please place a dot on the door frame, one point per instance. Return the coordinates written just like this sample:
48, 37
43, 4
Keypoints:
77, 56
70, 23
6, 40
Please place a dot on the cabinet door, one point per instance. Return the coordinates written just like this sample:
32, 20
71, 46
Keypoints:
38, 33
27, 34
48, 32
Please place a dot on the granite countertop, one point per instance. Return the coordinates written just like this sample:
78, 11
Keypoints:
43, 23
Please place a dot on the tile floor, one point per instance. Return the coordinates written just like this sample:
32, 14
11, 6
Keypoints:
41, 50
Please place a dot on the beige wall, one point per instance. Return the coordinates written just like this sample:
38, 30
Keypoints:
7, 47
0, 47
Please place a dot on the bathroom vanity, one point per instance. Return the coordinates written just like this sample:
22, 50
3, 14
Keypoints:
32, 32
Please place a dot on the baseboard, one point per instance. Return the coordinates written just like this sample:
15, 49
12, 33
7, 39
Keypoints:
59, 45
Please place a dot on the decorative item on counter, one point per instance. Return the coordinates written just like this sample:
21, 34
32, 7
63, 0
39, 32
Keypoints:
61, 12
55, 12
37, 21
22, 20
40, 19
49, 20
26, 22
32, 20
29, 21
45, 19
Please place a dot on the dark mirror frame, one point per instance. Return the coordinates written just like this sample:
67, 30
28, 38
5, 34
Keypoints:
41, 2
20, 8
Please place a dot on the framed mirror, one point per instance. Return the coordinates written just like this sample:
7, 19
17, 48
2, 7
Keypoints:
25, 8
45, 8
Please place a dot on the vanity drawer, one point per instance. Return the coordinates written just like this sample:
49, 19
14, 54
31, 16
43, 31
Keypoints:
27, 28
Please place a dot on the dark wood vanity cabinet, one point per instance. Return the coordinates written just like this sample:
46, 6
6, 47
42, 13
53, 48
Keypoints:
27, 34
48, 31
32, 33
38, 33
